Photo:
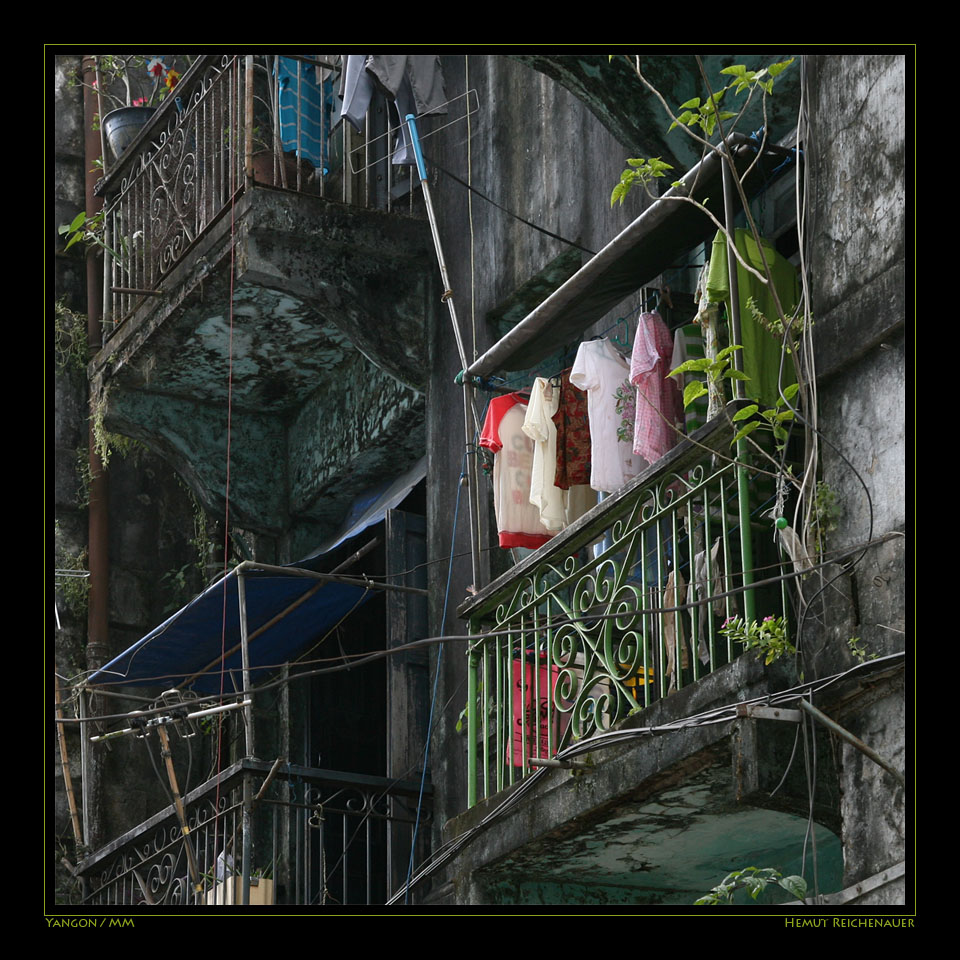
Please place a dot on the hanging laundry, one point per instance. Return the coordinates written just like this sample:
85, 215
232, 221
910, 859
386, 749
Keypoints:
659, 402
703, 587
600, 370
413, 83
518, 521
558, 508
761, 350
304, 117
674, 595
573, 435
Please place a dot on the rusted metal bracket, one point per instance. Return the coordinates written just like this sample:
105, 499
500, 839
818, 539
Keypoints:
563, 764
758, 711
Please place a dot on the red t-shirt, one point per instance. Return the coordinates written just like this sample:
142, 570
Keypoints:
518, 520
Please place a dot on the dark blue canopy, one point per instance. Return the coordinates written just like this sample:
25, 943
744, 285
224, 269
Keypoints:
191, 640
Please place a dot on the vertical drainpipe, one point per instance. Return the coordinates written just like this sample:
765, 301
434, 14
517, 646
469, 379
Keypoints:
743, 478
98, 529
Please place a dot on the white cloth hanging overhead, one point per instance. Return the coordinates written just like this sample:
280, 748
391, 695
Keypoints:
414, 83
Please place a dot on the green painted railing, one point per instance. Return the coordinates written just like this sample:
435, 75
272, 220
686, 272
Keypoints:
622, 608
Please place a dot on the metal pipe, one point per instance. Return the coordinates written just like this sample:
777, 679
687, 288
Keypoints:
561, 764
246, 826
249, 745
253, 566
468, 404
98, 529
247, 119
84, 749
729, 204
163, 719
472, 729
743, 477
853, 740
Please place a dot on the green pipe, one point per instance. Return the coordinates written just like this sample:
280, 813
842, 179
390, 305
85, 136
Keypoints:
746, 541
471, 728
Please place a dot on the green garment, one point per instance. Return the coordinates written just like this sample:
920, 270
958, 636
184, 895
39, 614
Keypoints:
761, 349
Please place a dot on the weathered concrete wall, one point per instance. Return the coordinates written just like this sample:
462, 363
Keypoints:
151, 515
359, 422
539, 152
857, 228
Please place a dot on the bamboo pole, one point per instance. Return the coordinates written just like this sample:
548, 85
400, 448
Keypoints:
65, 764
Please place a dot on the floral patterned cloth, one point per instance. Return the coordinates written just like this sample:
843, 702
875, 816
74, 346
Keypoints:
573, 436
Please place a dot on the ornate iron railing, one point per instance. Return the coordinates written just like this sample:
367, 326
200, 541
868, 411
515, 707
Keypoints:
320, 838
624, 607
233, 122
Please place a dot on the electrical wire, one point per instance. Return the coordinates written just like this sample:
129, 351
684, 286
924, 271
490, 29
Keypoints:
370, 656
600, 741
436, 676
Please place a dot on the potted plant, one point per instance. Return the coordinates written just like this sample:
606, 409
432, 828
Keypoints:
133, 85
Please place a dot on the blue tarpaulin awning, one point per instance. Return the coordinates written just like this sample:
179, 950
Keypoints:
192, 639
186, 648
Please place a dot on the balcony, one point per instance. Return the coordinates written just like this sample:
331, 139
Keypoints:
319, 837
622, 609
262, 255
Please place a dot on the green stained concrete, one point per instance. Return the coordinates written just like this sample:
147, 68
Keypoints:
320, 360
669, 850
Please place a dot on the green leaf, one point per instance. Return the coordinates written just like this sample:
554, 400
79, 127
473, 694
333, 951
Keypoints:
636, 162
676, 183
691, 365
692, 391
736, 375
735, 71
790, 392
695, 102
74, 239
795, 885
726, 351
78, 221
777, 68
768, 415
784, 415
749, 428
745, 413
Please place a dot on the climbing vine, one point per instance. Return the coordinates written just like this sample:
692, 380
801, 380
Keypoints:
73, 588
69, 338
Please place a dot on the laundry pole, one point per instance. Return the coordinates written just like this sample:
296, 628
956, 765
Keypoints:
468, 403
